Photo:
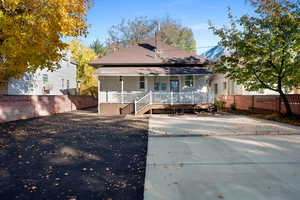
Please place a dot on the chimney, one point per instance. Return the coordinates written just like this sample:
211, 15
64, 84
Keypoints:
157, 39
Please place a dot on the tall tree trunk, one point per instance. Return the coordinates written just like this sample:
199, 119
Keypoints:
286, 103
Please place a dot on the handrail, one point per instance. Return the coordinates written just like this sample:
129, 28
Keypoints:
147, 103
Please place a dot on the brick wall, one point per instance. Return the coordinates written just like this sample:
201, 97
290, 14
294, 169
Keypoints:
24, 107
261, 103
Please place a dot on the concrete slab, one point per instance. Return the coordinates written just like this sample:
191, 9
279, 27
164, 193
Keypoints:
183, 166
217, 125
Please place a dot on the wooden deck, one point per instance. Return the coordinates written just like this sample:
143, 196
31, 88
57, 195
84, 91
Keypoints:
176, 108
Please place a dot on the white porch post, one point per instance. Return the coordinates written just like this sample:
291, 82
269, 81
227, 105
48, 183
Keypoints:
99, 96
122, 89
146, 83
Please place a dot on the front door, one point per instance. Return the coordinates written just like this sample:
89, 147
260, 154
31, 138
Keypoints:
174, 87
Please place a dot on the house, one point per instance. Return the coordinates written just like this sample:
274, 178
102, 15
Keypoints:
220, 85
60, 82
151, 75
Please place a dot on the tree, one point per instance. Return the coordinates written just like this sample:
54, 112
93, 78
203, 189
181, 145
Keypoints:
99, 48
85, 73
265, 48
176, 35
141, 28
31, 33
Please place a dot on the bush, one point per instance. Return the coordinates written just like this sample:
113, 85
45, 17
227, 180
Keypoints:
220, 104
233, 107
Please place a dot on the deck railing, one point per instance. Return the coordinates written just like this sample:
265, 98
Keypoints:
173, 98
182, 98
117, 97
142, 99
159, 97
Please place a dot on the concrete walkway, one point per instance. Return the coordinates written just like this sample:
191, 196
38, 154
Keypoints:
241, 166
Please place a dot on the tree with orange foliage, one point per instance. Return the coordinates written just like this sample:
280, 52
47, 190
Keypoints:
31, 33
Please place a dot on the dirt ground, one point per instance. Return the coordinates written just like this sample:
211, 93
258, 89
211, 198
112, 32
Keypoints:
73, 156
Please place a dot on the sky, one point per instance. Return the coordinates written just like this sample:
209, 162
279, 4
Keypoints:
194, 14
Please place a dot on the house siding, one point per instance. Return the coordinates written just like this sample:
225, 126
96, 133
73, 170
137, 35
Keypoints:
131, 84
232, 88
33, 84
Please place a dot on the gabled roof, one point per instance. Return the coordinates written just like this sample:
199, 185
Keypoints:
144, 53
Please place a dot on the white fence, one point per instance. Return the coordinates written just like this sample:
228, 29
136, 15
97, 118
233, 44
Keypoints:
173, 98
116, 97
182, 98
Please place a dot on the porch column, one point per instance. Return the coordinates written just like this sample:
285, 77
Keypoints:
122, 89
99, 96
146, 83
180, 83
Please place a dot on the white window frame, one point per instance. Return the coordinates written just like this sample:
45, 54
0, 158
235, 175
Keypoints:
45, 78
142, 82
189, 81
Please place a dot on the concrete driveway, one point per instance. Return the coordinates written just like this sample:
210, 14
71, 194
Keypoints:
242, 159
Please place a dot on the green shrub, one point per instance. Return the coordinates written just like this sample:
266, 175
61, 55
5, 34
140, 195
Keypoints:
233, 106
220, 104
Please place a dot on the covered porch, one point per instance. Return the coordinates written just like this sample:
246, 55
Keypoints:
132, 94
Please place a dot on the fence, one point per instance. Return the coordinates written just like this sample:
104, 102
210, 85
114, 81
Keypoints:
261, 103
24, 107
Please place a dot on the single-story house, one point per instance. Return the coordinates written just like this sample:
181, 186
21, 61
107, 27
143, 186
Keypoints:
151, 75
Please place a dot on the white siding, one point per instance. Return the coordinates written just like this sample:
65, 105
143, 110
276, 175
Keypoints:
131, 84
33, 84
232, 88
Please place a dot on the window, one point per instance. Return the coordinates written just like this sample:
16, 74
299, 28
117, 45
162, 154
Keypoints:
156, 86
159, 86
142, 82
163, 86
45, 78
189, 81
224, 85
68, 84
62, 83
216, 88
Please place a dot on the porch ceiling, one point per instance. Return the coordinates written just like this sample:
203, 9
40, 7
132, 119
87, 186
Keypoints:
151, 71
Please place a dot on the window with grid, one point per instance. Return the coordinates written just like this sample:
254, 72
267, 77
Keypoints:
142, 82
189, 81
45, 78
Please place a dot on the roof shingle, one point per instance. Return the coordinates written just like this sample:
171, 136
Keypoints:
144, 54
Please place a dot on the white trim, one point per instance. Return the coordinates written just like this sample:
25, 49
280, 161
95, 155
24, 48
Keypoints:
150, 75
146, 83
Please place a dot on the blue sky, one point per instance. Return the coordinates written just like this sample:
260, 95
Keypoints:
191, 13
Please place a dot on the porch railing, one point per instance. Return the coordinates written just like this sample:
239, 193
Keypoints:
117, 97
173, 98
182, 98
142, 99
